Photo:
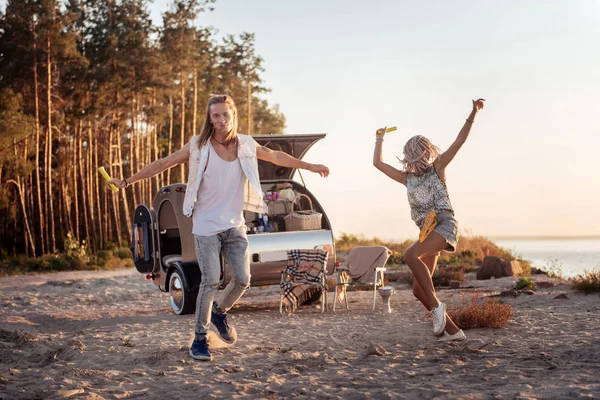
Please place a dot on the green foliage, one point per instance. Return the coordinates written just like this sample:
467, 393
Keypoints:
114, 75
465, 260
72, 248
475, 313
525, 283
453, 266
588, 282
123, 253
74, 257
102, 257
443, 275
19, 264
347, 242
48, 263
15, 125
465, 256
481, 247
395, 258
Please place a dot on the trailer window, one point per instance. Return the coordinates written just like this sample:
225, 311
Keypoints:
140, 240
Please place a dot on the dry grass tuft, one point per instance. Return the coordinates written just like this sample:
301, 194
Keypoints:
444, 275
489, 313
468, 256
483, 247
347, 242
588, 282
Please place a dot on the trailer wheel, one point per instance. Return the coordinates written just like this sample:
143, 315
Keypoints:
182, 301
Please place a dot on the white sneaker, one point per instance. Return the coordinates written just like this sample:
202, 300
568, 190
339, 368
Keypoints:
439, 319
457, 337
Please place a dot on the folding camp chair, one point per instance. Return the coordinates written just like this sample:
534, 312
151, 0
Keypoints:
303, 277
363, 268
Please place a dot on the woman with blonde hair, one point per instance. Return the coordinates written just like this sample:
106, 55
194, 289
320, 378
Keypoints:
424, 175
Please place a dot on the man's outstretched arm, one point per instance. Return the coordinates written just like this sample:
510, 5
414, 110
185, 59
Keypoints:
285, 160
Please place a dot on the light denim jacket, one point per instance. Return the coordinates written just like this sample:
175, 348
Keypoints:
253, 195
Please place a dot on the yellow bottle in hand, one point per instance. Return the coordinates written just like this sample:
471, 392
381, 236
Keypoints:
107, 179
388, 130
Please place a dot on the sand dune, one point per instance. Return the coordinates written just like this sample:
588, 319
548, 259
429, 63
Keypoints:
111, 335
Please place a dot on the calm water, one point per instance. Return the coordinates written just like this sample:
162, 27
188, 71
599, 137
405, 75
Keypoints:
574, 255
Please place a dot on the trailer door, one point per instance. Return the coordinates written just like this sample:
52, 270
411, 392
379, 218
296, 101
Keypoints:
144, 240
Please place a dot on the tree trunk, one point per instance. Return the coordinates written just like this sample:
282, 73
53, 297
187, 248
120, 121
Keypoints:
97, 190
115, 204
82, 177
171, 116
90, 188
123, 192
250, 124
38, 186
49, 158
131, 153
136, 142
195, 116
76, 147
66, 200
61, 210
29, 193
124, 198
182, 138
148, 143
157, 182
31, 209
25, 219
46, 215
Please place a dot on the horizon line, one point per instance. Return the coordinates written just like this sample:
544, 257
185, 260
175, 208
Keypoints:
542, 236
495, 237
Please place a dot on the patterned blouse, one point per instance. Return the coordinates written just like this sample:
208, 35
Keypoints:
426, 192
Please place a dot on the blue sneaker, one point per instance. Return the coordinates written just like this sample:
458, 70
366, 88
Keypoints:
199, 350
226, 332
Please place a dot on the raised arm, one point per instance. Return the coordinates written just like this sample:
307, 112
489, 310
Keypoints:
395, 174
285, 160
449, 154
156, 167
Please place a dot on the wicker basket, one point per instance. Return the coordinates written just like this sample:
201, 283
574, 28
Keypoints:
304, 220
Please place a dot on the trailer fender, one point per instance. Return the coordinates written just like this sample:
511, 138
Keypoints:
190, 274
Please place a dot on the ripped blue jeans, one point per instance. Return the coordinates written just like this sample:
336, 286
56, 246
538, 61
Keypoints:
233, 243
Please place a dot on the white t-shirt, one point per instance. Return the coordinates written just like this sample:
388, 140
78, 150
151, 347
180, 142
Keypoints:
220, 203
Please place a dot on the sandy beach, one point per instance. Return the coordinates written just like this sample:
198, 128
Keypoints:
111, 335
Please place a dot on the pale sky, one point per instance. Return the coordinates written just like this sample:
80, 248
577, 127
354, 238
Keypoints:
530, 165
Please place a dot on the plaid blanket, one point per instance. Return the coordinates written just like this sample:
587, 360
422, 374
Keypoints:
302, 277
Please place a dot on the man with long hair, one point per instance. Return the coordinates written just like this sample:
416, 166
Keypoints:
223, 181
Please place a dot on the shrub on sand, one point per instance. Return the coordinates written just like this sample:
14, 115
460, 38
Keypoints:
123, 253
525, 283
20, 264
482, 247
469, 255
444, 275
588, 282
347, 242
489, 313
